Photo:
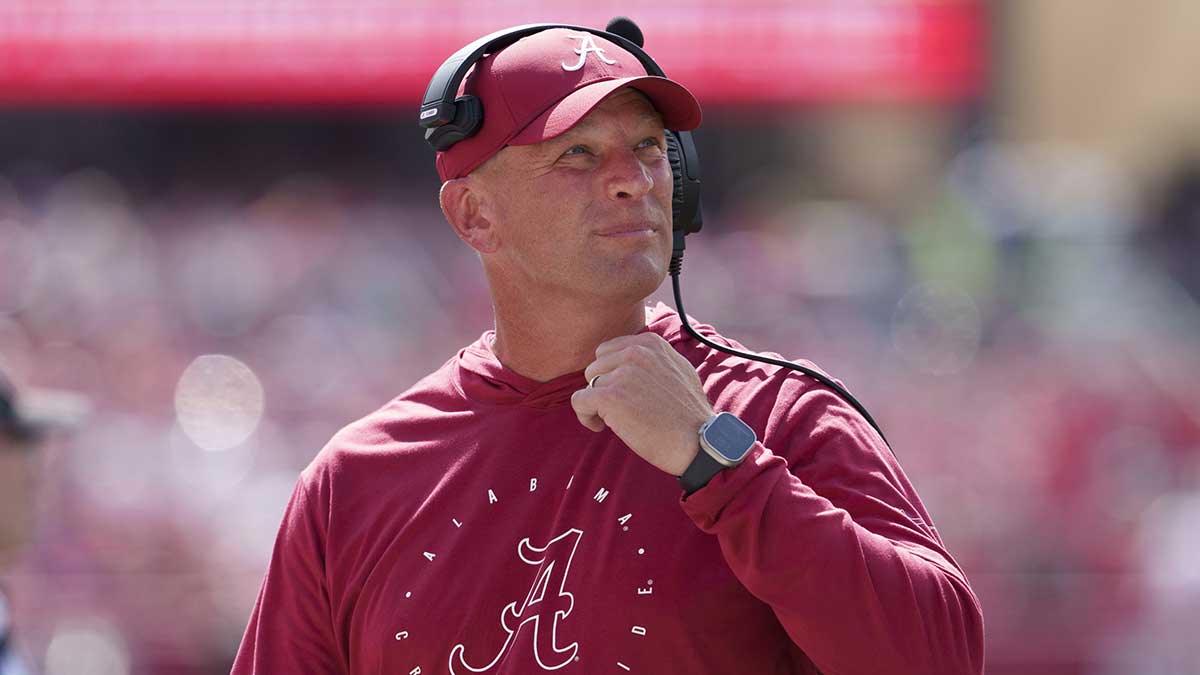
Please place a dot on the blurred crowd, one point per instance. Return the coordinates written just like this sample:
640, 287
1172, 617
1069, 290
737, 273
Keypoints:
1025, 333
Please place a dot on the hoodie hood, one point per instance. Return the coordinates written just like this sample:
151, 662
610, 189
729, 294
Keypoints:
481, 377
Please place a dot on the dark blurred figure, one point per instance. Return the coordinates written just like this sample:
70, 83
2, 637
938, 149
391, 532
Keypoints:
1173, 238
25, 421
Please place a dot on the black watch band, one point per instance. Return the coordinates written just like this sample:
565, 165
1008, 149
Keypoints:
699, 472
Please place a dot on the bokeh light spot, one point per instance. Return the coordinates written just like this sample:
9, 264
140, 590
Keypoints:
87, 648
218, 402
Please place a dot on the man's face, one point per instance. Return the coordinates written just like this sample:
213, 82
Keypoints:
17, 463
550, 201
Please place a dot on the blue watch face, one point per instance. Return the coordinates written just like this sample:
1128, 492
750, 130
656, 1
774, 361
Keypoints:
730, 436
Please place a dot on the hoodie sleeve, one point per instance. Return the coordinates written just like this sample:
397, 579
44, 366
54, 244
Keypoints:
825, 528
290, 628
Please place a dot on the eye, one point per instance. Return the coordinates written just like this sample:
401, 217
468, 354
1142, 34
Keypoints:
581, 150
651, 142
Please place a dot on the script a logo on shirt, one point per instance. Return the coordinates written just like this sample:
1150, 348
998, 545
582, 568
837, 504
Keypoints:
542, 612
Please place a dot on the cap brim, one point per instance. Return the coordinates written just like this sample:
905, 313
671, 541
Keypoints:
679, 109
39, 411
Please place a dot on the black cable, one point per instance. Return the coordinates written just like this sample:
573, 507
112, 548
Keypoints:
677, 265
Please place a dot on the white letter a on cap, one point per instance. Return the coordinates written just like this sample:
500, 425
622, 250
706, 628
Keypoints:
587, 43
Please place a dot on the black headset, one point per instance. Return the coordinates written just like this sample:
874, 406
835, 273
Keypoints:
448, 119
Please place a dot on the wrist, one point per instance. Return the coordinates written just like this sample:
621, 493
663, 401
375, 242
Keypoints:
723, 441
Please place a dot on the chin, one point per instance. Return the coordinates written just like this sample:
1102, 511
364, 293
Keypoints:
634, 270
637, 287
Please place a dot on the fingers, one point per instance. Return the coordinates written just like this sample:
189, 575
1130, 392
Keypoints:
637, 350
604, 364
583, 401
621, 342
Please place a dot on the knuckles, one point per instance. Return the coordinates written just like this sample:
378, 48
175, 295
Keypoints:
641, 355
614, 383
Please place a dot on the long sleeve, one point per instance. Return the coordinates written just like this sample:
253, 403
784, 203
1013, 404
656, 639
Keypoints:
290, 629
830, 534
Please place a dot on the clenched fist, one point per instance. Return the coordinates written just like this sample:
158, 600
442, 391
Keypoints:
649, 395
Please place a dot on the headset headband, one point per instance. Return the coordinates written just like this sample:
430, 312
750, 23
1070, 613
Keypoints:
438, 106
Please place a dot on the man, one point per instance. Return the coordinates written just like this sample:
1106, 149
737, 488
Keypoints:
519, 510
24, 422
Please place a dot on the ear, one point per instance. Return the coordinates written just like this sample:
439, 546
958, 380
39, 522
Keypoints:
461, 201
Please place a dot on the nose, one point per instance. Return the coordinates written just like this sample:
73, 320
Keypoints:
628, 177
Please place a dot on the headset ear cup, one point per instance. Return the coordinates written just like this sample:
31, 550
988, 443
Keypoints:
444, 137
675, 157
468, 115
685, 172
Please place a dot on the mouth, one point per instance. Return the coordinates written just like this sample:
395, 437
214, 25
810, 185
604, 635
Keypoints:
643, 229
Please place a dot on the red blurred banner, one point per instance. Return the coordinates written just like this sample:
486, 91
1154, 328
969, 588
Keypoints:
372, 52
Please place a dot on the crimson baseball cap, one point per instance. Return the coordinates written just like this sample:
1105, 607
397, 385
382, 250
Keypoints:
543, 84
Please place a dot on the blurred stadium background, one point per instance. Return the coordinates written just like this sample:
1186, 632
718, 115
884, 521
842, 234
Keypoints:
219, 220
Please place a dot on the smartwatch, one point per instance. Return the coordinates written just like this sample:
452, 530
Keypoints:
725, 441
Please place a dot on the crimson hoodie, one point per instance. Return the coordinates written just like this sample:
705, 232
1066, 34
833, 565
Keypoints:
473, 525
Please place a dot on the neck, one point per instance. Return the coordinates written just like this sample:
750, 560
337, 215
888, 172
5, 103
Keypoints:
545, 341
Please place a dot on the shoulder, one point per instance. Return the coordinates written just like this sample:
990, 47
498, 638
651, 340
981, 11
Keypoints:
784, 400
413, 422
721, 371
780, 403
737, 376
